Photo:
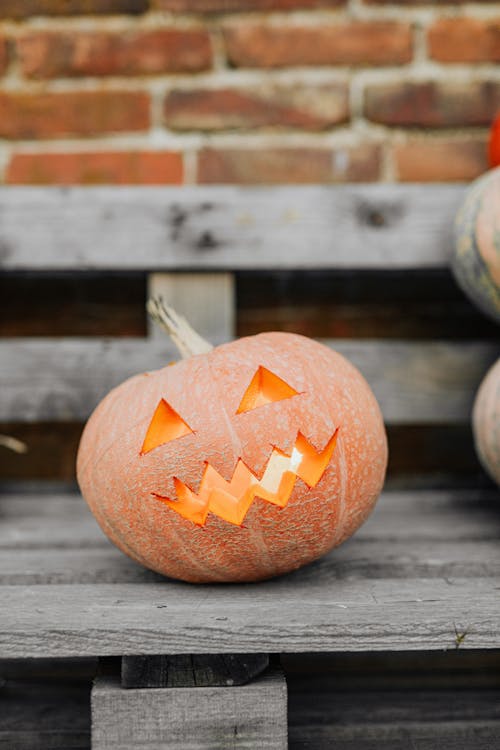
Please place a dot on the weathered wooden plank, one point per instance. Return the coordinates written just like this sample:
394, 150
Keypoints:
357, 559
290, 614
247, 717
191, 670
415, 382
346, 701
44, 716
63, 521
47, 521
424, 567
227, 228
394, 719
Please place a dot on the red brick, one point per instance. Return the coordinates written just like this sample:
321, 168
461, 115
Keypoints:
465, 40
437, 3
232, 6
96, 168
288, 165
84, 113
432, 104
53, 54
356, 43
424, 160
25, 8
3, 55
311, 108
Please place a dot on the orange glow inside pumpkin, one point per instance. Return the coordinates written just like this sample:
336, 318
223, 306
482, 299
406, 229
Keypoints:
231, 500
165, 425
265, 387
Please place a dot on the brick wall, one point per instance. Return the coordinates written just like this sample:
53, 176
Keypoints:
245, 91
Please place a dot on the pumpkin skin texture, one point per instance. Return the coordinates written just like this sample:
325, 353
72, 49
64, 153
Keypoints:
486, 422
126, 491
476, 260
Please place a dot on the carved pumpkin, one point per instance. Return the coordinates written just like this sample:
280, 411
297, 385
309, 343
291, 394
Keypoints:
486, 422
238, 463
476, 260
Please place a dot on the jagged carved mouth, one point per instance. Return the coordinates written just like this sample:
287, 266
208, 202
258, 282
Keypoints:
232, 500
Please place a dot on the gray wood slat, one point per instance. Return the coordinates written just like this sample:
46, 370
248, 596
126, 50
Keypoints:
64, 379
425, 566
63, 521
227, 228
44, 716
394, 720
355, 560
55, 540
286, 614
250, 716
198, 670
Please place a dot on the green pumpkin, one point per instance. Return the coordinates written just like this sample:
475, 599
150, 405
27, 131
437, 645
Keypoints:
476, 259
486, 422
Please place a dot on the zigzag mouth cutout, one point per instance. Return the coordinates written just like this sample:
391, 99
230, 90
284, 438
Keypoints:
232, 500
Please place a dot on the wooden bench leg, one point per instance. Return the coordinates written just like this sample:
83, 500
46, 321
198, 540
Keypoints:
252, 715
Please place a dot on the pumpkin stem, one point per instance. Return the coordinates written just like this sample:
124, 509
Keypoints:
13, 444
184, 337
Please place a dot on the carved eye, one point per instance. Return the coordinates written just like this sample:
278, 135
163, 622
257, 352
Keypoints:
165, 425
265, 388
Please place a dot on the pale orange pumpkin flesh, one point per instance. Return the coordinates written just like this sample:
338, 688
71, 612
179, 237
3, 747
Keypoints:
238, 464
486, 422
476, 257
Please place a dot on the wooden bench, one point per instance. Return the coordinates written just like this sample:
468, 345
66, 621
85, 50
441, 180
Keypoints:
404, 618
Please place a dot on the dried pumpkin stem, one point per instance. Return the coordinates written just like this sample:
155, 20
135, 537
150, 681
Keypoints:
184, 337
13, 444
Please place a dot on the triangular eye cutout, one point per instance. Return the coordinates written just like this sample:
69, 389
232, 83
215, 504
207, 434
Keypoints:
265, 388
165, 425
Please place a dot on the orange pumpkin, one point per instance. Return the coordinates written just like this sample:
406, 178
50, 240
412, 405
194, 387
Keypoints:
238, 463
486, 422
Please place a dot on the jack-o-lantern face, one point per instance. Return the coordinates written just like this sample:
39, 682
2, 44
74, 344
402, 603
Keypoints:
238, 464
231, 499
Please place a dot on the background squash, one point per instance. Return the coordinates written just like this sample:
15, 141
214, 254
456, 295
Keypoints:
476, 259
486, 422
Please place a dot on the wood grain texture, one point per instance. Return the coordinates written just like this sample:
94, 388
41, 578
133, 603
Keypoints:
415, 382
348, 701
227, 228
394, 720
55, 540
422, 569
44, 716
191, 670
245, 717
282, 615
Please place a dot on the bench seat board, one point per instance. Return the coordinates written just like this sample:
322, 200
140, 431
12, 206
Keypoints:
227, 228
423, 573
414, 382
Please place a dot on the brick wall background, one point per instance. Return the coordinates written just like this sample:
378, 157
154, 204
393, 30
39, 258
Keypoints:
245, 91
